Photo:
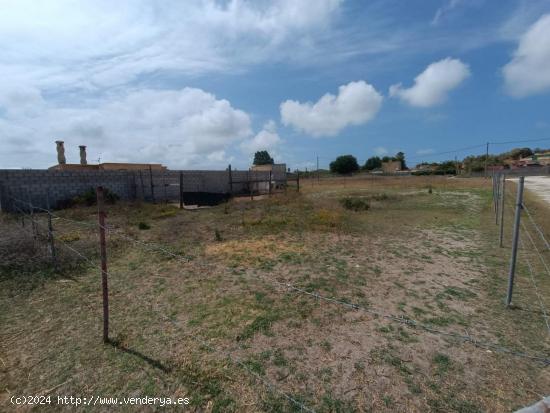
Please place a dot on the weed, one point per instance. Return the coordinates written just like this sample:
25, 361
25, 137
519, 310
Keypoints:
144, 225
355, 204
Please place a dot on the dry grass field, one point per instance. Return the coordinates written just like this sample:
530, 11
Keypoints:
214, 319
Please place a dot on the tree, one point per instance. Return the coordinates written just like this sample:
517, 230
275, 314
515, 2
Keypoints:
373, 163
400, 156
262, 158
344, 164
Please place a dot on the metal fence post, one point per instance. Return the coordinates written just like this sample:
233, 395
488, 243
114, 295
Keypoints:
269, 183
103, 251
497, 198
250, 186
230, 180
515, 240
50, 233
181, 190
31, 210
142, 186
152, 185
297, 181
502, 202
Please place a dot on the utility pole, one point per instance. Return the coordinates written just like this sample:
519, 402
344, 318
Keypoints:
486, 159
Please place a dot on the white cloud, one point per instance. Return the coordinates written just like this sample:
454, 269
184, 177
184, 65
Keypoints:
432, 86
380, 151
356, 104
527, 73
266, 140
92, 44
425, 151
444, 10
179, 128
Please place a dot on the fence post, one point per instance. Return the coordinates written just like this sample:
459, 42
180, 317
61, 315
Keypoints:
165, 187
269, 183
497, 198
297, 181
103, 251
181, 190
142, 186
230, 180
31, 210
50, 233
502, 202
515, 240
152, 185
250, 186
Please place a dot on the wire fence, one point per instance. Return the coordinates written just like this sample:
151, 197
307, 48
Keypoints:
44, 233
502, 202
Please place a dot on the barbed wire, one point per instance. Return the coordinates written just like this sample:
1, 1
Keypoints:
537, 292
403, 320
536, 249
539, 230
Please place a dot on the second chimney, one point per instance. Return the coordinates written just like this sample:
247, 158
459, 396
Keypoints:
60, 153
83, 155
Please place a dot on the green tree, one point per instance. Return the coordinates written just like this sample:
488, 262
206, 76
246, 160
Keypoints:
262, 158
344, 164
373, 162
400, 156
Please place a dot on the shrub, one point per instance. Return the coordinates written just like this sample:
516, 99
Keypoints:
354, 204
144, 225
89, 197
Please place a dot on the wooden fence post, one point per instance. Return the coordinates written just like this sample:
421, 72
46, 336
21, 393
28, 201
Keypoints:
298, 181
270, 183
103, 251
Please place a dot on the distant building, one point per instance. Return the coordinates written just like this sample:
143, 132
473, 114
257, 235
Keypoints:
391, 167
107, 166
537, 159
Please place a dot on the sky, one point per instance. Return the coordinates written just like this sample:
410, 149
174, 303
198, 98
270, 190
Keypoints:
204, 84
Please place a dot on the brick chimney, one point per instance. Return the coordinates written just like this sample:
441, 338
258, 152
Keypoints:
60, 153
83, 155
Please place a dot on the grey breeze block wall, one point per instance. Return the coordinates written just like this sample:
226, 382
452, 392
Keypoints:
36, 186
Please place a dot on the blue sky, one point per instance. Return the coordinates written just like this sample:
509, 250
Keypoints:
201, 84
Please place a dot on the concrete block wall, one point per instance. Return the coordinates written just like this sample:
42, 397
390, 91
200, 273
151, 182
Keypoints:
37, 186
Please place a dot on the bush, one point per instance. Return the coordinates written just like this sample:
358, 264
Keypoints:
144, 225
89, 197
355, 204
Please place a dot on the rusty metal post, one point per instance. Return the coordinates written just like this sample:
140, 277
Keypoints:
250, 186
298, 181
103, 251
50, 233
152, 185
142, 186
230, 180
181, 190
